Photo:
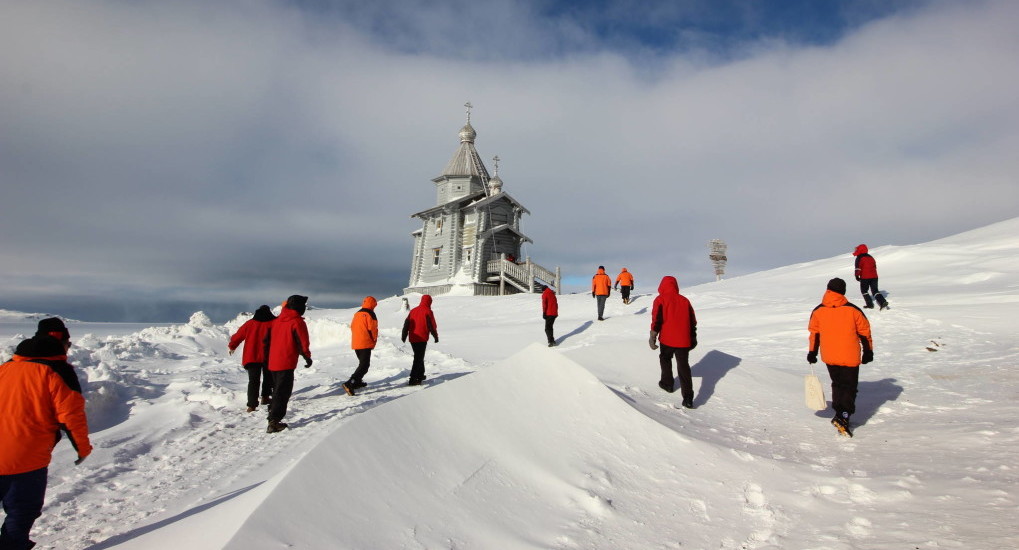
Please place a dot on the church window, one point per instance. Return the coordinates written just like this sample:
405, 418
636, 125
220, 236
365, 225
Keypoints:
468, 253
436, 254
438, 226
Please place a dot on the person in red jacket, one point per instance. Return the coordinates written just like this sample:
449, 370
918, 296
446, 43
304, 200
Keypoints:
419, 324
624, 282
674, 325
549, 312
256, 357
840, 330
601, 287
866, 273
287, 340
364, 334
40, 397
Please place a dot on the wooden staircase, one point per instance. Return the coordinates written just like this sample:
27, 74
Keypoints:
525, 277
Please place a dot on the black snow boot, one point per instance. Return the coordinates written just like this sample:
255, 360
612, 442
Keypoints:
349, 388
869, 300
841, 423
275, 426
881, 302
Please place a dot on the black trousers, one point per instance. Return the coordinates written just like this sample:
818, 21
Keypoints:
258, 373
364, 362
22, 496
549, 321
417, 368
283, 386
682, 355
625, 291
844, 381
868, 287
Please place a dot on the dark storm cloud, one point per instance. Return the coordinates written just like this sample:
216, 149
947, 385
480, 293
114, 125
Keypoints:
167, 155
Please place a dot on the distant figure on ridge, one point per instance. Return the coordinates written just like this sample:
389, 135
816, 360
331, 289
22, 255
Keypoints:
840, 330
287, 340
256, 354
601, 287
419, 324
364, 334
40, 397
866, 273
624, 282
549, 312
674, 325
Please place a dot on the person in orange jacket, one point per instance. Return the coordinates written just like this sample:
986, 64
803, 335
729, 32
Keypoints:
601, 287
624, 282
40, 397
364, 334
287, 340
840, 331
549, 312
256, 354
674, 325
419, 324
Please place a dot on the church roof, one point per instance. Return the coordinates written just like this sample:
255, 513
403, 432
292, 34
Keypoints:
465, 161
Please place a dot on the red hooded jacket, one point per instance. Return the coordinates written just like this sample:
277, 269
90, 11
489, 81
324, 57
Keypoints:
672, 316
866, 265
253, 333
549, 303
420, 322
288, 340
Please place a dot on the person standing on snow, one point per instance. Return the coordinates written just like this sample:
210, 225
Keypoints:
601, 287
419, 324
256, 354
287, 340
364, 334
549, 312
40, 397
674, 325
624, 282
839, 329
866, 273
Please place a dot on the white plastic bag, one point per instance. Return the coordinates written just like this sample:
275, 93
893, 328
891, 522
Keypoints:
814, 392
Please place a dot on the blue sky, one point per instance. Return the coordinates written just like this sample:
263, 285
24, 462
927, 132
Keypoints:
158, 158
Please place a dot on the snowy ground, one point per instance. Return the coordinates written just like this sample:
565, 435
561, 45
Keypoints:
510, 445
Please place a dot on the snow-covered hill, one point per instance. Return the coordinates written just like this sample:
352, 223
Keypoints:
509, 445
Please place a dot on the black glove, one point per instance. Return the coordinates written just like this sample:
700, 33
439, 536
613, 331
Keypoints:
812, 357
868, 356
592, 294
307, 362
436, 339
80, 460
693, 342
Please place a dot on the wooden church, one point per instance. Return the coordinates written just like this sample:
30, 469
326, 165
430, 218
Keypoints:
470, 242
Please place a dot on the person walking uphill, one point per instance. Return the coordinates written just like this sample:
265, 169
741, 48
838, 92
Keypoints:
256, 355
601, 287
364, 334
840, 330
866, 273
674, 325
549, 312
40, 397
419, 324
624, 282
288, 340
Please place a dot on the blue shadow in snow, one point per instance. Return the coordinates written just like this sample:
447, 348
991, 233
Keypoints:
135, 533
711, 369
870, 396
586, 325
